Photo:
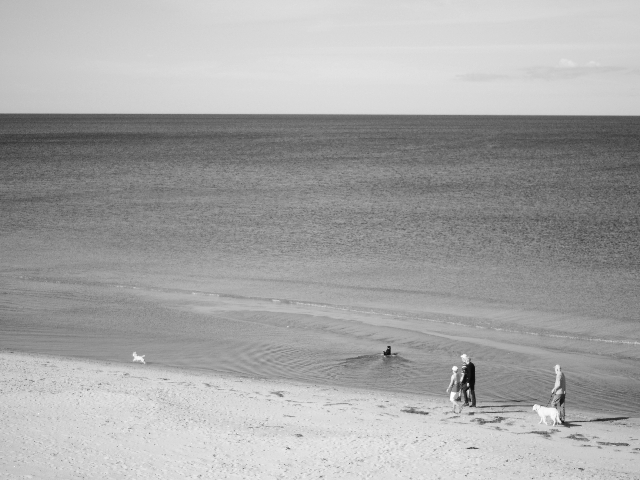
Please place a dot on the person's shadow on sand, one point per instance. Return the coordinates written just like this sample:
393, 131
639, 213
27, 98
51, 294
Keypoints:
497, 406
576, 423
610, 419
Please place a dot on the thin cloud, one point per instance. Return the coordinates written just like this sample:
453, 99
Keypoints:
564, 63
568, 69
565, 69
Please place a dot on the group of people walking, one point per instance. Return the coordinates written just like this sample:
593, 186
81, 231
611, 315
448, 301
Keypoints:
461, 388
462, 392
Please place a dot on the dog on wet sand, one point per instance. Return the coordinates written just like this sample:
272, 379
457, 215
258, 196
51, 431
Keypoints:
138, 358
546, 412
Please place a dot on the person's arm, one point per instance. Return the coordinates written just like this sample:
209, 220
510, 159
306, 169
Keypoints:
466, 375
450, 384
557, 384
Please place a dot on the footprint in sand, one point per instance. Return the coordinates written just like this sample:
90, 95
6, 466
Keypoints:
414, 410
579, 437
545, 433
482, 421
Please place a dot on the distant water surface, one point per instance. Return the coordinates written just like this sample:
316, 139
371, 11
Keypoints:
197, 238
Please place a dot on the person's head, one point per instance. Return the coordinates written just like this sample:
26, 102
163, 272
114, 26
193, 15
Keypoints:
455, 369
558, 369
465, 358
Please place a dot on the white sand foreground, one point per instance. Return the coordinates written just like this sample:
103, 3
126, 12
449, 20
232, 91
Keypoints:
69, 419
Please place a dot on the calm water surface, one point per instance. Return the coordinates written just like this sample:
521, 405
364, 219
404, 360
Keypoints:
300, 246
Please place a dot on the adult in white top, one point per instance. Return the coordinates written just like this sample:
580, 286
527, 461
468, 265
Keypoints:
559, 391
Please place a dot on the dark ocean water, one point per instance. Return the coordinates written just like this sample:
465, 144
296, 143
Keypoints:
300, 246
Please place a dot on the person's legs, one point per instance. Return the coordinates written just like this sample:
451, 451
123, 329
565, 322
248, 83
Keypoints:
455, 400
558, 404
561, 410
472, 397
463, 396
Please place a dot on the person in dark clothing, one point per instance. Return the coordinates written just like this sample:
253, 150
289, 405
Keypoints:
468, 381
463, 384
387, 351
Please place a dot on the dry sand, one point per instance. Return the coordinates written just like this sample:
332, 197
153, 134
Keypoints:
64, 418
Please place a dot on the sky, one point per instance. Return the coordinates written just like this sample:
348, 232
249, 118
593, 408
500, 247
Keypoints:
410, 57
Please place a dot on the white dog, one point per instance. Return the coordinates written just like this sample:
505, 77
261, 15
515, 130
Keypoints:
138, 358
546, 412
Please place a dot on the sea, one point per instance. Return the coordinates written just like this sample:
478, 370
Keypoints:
297, 247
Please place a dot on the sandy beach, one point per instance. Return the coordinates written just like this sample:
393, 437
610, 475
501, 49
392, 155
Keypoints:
68, 418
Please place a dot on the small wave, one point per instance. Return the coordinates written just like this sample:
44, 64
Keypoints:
568, 337
399, 316
345, 308
449, 322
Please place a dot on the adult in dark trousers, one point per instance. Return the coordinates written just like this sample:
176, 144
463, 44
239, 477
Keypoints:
559, 391
468, 381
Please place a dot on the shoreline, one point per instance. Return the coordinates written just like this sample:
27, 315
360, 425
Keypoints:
579, 414
72, 418
255, 338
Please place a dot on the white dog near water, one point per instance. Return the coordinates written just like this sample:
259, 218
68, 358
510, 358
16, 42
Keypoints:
546, 412
138, 358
